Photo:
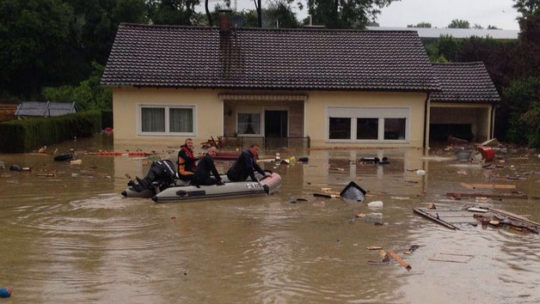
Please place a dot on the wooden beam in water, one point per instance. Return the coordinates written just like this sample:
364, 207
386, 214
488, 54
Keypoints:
434, 218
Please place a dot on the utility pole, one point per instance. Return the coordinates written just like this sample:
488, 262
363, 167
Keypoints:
259, 13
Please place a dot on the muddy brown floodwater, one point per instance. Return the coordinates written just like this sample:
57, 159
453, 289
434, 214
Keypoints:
72, 238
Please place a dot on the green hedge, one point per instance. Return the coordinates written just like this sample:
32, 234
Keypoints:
25, 135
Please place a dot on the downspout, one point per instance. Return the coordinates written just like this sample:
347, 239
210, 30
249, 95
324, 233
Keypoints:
425, 120
492, 122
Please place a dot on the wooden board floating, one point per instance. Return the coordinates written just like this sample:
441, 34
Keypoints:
451, 257
459, 195
487, 186
432, 215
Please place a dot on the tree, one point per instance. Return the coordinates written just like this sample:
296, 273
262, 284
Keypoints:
421, 25
477, 26
97, 23
89, 94
34, 45
492, 27
458, 23
280, 14
345, 13
527, 8
181, 12
523, 98
449, 47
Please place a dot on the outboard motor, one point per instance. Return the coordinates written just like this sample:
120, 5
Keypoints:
160, 175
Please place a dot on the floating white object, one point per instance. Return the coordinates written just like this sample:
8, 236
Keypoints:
474, 209
375, 204
420, 172
76, 162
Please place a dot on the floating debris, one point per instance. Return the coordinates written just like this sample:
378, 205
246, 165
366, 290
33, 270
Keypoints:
375, 204
451, 258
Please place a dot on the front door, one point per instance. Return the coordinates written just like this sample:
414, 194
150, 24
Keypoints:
275, 124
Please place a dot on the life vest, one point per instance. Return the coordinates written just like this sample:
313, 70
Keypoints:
186, 161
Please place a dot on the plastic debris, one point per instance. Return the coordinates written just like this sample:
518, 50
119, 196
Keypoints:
353, 192
375, 204
487, 153
64, 157
6, 291
420, 172
400, 198
303, 159
76, 162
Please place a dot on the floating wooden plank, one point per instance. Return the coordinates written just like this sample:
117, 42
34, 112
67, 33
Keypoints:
426, 214
398, 259
488, 186
451, 257
458, 195
516, 217
479, 210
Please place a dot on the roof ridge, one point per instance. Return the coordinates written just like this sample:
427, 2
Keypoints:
299, 29
459, 63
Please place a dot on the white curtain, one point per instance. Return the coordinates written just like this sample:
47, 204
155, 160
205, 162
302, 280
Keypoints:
153, 119
181, 120
249, 123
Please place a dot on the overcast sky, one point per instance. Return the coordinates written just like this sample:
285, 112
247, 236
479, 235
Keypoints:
439, 13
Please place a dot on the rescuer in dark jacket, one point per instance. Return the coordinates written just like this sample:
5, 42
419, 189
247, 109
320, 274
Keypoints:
205, 167
186, 161
245, 166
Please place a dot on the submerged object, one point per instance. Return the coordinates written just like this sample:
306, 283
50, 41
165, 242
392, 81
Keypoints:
305, 159
64, 157
182, 191
15, 167
6, 291
353, 192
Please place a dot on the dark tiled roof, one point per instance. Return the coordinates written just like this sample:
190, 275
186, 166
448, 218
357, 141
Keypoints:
179, 56
466, 82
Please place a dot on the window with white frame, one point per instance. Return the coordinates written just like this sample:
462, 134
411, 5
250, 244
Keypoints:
340, 128
249, 123
167, 119
379, 124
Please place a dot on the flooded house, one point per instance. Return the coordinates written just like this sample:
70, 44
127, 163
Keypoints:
309, 86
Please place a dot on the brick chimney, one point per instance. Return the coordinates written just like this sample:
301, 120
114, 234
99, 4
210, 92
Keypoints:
225, 21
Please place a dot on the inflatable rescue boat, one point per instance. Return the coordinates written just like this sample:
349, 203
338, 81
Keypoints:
181, 191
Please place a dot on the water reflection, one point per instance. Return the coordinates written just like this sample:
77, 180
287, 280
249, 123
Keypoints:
73, 238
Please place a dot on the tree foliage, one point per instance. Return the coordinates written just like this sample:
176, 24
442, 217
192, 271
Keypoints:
527, 8
180, 12
420, 25
279, 14
345, 13
89, 94
34, 42
459, 23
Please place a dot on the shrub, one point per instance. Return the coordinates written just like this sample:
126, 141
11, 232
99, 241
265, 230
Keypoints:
25, 135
